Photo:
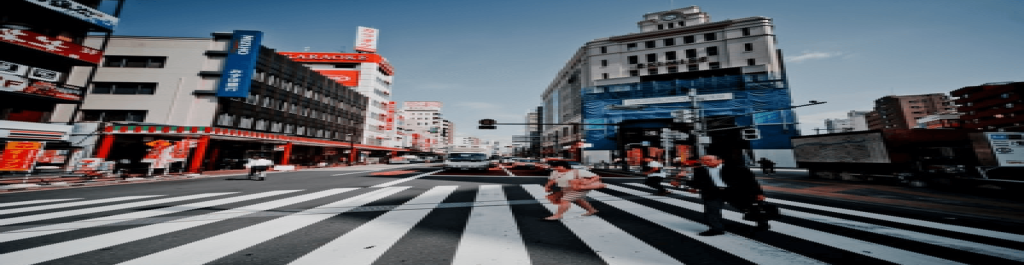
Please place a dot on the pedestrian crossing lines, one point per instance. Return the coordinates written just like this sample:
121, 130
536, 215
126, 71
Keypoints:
630, 229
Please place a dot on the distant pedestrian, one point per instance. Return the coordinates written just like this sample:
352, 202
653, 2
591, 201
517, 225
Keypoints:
257, 165
654, 171
717, 184
767, 166
561, 174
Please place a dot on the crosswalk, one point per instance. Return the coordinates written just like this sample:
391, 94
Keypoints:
495, 224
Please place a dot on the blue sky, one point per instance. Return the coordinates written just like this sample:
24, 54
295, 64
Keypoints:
492, 59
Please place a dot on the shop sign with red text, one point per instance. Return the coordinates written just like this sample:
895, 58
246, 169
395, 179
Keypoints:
19, 156
49, 44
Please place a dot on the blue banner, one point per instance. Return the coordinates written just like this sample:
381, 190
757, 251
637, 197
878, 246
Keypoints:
242, 55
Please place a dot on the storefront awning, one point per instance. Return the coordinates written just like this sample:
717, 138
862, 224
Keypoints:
240, 135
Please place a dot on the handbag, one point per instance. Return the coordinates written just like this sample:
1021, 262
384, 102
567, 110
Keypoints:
762, 211
554, 197
585, 184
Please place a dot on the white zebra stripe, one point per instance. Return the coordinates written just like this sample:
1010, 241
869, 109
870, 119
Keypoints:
612, 244
54, 215
72, 204
397, 181
865, 248
215, 247
382, 232
491, 229
78, 246
9, 204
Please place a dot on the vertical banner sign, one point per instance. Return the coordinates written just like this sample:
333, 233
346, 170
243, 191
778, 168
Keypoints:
80, 11
391, 115
366, 39
242, 56
19, 156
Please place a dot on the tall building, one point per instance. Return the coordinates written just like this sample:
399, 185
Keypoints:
855, 121
194, 89
369, 74
732, 65
902, 112
992, 106
425, 118
41, 42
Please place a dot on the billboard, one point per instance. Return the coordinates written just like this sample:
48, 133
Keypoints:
337, 57
49, 44
242, 55
79, 11
366, 39
13, 83
1008, 147
348, 78
19, 156
422, 105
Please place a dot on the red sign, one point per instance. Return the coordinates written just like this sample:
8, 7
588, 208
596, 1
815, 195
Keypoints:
348, 78
391, 115
49, 44
337, 57
366, 39
19, 156
180, 151
19, 84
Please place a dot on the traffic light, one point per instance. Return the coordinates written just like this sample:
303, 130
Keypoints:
488, 124
751, 134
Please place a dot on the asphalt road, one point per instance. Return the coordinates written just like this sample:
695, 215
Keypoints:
418, 214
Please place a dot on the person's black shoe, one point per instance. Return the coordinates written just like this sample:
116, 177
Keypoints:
711, 232
761, 227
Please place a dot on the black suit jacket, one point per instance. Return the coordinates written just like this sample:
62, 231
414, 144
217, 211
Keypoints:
742, 186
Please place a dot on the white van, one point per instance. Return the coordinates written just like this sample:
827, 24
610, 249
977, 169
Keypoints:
467, 161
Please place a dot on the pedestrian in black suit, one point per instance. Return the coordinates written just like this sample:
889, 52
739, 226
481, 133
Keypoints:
719, 183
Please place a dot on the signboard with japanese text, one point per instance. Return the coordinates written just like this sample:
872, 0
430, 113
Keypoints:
366, 39
243, 53
13, 68
49, 44
180, 151
391, 115
1008, 148
19, 156
12, 83
422, 105
79, 11
335, 57
89, 164
349, 78
44, 75
52, 157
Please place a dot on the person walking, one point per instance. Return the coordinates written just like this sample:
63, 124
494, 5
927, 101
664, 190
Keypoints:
561, 173
767, 166
257, 165
719, 183
655, 175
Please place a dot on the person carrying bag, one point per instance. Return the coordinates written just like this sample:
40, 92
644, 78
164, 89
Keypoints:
574, 184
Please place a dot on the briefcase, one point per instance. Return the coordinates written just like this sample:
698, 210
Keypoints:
762, 211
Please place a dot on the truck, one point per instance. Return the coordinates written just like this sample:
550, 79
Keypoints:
917, 157
467, 157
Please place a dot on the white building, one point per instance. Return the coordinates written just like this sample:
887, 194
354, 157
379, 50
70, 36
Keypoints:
424, 117
855, 121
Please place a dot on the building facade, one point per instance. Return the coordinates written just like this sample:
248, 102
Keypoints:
41, 42
902, 112
855, 121
425, 119
992, 106
733, 66
290, 113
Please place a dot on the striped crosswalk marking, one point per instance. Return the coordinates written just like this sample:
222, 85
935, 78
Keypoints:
878, 251
212, 248
72, 204
381, 233
491, 229
612, 244
68, 248
45, 216
128, 217
10, 204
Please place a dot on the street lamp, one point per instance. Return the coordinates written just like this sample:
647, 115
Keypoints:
351, 149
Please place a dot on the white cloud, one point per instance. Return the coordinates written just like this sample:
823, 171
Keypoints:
806, 56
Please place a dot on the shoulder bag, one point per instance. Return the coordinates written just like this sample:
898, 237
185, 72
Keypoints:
585, 184
762, 211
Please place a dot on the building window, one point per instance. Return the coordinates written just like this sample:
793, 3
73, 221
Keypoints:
682, 23
746, 31
633, 59
649, 44
669, 42
691, 53
652, 71
631, 46
604, 62
119, 88
748, 47
660, 26
634, 73
252, 99
709, 37
604, 76
671, 25
673, 69
712, 51
688, 39
714, 65
670, 55
692, 67
652, 57
604, 49
226, 120
751, 62
134, 61
114, 115
245, 123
